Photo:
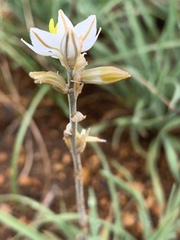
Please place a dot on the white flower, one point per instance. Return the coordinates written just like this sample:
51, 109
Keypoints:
64, 41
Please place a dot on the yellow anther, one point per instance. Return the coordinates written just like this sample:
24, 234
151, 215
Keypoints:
52, 28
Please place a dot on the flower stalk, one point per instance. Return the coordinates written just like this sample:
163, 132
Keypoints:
80, 200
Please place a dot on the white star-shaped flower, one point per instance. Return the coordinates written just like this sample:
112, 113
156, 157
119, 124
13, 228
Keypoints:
64, 41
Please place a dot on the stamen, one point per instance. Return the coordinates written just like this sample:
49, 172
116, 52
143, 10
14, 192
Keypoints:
52, 28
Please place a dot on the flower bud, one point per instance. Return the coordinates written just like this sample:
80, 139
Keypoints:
104, 75
51, 78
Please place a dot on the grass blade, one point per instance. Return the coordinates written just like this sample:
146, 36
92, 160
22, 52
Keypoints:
20, 227
21, 134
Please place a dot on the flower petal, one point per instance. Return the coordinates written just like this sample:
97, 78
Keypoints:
63, 23
43, 52
83, 28
41, 39
70, 45
89, 42
44, 43
87, 29
94, 139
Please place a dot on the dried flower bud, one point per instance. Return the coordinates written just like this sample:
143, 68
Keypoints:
78, 117
104, 75
53, 79
81, 138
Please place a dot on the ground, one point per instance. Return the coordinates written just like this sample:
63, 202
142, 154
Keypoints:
45, 164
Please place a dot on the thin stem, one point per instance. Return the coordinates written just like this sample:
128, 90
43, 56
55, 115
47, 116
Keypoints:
76, 156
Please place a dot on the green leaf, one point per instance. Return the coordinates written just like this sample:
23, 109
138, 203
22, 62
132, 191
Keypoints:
23, 229
172, 157
153, 154
21, 134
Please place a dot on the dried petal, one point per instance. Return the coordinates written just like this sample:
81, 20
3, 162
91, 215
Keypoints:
52, 79
78, 117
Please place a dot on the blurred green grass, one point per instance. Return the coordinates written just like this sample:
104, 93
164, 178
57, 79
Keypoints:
142, 37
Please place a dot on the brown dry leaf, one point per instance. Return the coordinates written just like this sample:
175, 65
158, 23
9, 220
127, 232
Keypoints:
3, 157
128, 219
56, 154
21, 159
62, 176
150, 201
156, 209
6, 208
86, 176
58, 167
2, 179
66, 159
36, 183
26, 181
104, 203
95, 163
139, 186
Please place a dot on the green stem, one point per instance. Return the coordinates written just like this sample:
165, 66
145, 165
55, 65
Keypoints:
76, 156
